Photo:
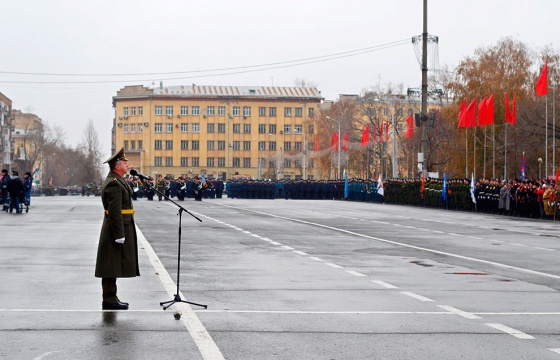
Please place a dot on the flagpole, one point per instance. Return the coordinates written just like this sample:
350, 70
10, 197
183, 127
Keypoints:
484, 151
493, 151
546, 135
554, 127
474, 150
466, 152
505, 151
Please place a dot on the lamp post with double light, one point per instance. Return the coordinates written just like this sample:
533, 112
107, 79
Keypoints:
338, 171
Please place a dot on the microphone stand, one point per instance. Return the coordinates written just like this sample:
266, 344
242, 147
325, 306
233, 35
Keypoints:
177, 297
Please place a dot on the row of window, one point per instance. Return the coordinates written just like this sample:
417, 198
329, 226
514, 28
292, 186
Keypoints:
372, 111
221, 128
221, 162
210, 111
221, 145
133, 145
132, 128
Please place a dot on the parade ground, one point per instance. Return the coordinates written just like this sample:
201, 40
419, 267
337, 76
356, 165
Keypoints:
282, 279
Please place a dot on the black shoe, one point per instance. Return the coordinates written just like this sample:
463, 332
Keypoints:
115, 306
121, 302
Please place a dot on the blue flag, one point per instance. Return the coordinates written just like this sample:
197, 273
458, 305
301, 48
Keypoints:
346, 186
444, 190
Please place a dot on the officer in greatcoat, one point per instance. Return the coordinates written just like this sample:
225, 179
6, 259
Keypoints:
117, 253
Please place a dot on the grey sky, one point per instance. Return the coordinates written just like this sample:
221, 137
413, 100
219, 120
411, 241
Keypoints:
140, 36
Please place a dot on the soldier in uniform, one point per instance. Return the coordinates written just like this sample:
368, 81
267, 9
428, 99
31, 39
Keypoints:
117, 253
4, 189
160, 186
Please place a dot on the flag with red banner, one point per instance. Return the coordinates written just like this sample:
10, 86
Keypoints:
470, 115
490, 110
410, 127
386, 131
461, 116
365, 136
50, 181
345, 145
482, 118
541, 88
334, 141
317, 144
514, 110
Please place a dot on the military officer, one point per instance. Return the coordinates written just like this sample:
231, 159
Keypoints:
117, 253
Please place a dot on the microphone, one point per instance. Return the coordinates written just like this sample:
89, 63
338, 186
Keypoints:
142, 177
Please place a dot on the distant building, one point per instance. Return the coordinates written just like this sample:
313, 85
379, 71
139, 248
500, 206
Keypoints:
222, 131
28, 141
6, 128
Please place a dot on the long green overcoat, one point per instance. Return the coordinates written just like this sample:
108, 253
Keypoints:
117, 260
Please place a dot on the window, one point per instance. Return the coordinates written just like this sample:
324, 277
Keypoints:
196, 110
247, 128
310, 145
132, 128
221, 111
287, 146
169, 144
133, 111
221, 145
272, 129
169, 110
184, 161
140, 144
126, 144
195, 162
287, 163
158, 109
246, 145
311, 163
236, 110
236, 162
410, 112
247, 162
158, 144
287, 129
169, 127
262, 145
246, 111
311, 112
210, 110
299, 112
236, 128
210, 161
311, 129
272, 111
287, 111
262, 111
140, 128
236, 145
221, 162
297, 129
195, 127
132, 144
157, 161
386, 112
399, 127
272, 145
184, 127
169, 161
209, 128
195, 144
184, 144
140, 111
399, 112
262, 128
221, 128
298, 145
125, 111
297, 163
210, 145
271, 163
125, 128
370, 112
184, 110
157, 127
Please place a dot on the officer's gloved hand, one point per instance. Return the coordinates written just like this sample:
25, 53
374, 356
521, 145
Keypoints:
120, 241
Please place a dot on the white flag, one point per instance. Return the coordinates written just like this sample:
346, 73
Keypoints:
380, 190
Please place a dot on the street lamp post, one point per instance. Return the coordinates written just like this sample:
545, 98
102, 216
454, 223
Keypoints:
338, 172
540, 163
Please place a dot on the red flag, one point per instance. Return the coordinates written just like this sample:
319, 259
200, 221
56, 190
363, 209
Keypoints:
461, 116
381, 132
334, 141
470, 115
374, 133
317, 144
508, 112
542, 84
345, 145
490, 110
422, 187
50, 181
482, 112
386, 131
365, 136
410, 128
556, 175
514, 110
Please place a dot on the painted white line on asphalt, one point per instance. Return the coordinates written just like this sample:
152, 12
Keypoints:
206, 345
316, 258
462, 313
326, 312
383, 222
255, 235
423, 229
246, 232
300, 252
275, 243
409, 227
444, 253
516, 244
355, 273
266, 239
334, 266
546, 249
287, 247
518, 334
78, 310
384, 284
517, 313
453, 234
416, 296
438, 231
475, 237
555, 350
44, 355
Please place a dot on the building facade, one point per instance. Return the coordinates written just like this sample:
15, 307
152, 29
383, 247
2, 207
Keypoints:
6, 128
28, 143
221, 131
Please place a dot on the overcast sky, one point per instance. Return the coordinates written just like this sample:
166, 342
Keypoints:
118, 37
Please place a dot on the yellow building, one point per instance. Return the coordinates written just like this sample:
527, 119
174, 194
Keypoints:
221, 131
28, 139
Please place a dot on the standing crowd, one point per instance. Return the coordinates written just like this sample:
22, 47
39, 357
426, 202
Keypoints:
15, 192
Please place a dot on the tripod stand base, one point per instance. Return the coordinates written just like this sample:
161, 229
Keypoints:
178, 299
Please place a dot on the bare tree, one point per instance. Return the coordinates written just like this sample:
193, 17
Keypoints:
90, 159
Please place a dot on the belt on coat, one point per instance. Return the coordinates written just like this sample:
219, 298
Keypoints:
123, 211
